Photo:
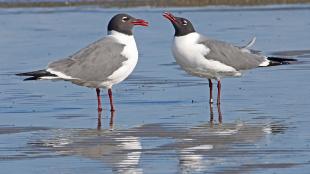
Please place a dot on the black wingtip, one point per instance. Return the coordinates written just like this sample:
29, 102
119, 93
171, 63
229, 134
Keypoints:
31, 78
280, 59
274, 61
35, 75
22, 74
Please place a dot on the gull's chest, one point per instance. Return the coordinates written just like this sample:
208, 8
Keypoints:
130, 51
187, 52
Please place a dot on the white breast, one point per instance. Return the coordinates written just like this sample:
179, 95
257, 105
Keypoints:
131, 52
190, 55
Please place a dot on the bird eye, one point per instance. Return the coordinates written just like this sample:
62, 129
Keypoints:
184, 22
125, 18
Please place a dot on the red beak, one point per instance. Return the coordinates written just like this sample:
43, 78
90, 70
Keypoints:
170, 17
140, 22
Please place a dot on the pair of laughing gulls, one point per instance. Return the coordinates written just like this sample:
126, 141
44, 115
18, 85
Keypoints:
112, 59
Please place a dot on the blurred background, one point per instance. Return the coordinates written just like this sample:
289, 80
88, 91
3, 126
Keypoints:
136, 3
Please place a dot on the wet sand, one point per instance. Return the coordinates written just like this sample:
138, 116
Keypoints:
163, 122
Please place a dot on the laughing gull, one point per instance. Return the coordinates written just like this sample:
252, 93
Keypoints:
201, 56
101, 64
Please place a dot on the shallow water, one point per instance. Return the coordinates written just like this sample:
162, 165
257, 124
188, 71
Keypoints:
163, 122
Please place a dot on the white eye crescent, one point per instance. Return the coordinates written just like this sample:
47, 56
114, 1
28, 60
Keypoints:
125, 18
184, 22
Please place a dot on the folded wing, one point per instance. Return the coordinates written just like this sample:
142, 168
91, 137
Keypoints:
94, 63
231, 55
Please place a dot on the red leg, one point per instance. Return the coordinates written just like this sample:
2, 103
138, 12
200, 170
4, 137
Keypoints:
111, 99
99, 100
219, 86
210, 87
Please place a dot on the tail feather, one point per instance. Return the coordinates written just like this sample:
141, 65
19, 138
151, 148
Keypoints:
35, 75
273, 61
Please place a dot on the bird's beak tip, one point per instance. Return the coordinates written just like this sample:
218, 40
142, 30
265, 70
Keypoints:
170, 17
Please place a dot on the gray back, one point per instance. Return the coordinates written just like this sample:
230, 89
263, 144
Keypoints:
231, 55
92, 64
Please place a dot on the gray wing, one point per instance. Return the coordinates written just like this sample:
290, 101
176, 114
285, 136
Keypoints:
231, 55
94, 63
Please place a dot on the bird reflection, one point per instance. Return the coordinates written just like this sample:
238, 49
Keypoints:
205, 146
197, 148
121, 152
99, 121
111, 123
112, 120
220, 119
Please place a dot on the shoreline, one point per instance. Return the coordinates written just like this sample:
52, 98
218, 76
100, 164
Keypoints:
150, 3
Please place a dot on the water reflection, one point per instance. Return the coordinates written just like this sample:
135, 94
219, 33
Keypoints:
111, 123
198, 148
208, 145
119, 152
99, 120
219, 112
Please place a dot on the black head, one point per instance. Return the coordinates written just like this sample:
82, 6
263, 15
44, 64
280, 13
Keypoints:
124, 23
182, 26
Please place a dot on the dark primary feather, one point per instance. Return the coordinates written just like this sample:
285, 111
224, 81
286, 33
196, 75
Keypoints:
36, 74
231, 55
280, 61
92, 64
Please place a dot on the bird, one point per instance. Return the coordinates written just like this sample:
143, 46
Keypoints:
204, 57
102, 64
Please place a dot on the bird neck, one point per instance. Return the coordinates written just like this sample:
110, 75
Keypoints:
188, 38
121, 37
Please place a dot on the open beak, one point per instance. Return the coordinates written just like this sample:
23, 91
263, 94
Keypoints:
170, 17
140, 22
